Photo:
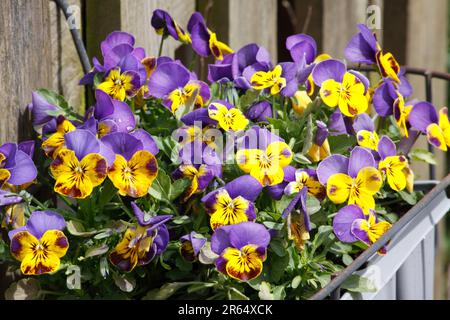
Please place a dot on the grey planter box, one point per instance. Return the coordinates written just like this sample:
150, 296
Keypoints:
407, 270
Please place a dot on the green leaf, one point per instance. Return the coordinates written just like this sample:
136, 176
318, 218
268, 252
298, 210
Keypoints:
200, 286
124, 282
347, 259
53, 97
178, 187
341, 144
278, 267
409, 198
356, 283
423, 155
296, 282
301, 159
166, 291
312, 204
308, 141
182, 220
160, 188
248, 99
98, 78
278, 247
96, 251
77, 229
265, 291
283, 203
235, 294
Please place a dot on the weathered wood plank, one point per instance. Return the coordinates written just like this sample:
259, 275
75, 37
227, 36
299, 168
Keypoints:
25, 59
135, 18
105, 16
339, 24
66, 66
253, 21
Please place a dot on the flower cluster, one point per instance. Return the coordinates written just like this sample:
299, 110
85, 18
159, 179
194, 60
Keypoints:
264, 176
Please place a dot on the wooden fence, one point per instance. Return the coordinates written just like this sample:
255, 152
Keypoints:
36, 49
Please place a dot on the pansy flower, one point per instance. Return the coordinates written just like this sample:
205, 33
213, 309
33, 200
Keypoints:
389, 100
16, 165
111, 115
259, 111
81, 165
300, 101
174, 83
120, 85
347, 90
394, 167
366, 136
320, 148
14, 211
266, 165
200, 164
55, 142
165, 25
364, 48
118, 51
354, 180
141, 242
351, 225
423, 117
221, 71
281, 80
135, 167
305, 179
41, 110
204, 41
248, 60
40, 244
242, 249
234, 202
303, 50
191, 244
228, 117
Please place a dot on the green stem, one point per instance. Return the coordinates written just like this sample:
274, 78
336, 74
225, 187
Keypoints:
220, 181
124, 207
161, 46
274, 108
37, 202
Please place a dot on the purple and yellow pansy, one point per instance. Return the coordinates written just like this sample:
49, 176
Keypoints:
341, 88
354, 180
424, 117
242, 249
40, 244
135, 167
351, 224
234, 203
191, 244
176, 85
141, 242
81, 165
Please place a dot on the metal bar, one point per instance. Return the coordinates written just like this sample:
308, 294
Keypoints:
429, 98
373, 249
78, 41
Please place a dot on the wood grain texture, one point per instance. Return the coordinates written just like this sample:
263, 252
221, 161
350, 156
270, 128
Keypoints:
253, 21
339, 24
66, 66
25, 59
135, 18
